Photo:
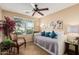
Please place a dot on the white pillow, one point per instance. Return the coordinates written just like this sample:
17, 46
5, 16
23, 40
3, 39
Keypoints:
59, 33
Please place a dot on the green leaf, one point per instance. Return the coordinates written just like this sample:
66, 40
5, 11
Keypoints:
7, 41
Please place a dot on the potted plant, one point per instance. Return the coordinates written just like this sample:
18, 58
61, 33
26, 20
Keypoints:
8, 27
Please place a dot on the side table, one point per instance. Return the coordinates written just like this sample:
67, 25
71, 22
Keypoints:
67, 50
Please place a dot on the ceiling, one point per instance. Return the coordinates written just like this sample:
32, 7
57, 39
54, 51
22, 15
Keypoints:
26, 8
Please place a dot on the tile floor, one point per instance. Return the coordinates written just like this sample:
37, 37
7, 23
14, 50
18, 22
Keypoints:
32, 49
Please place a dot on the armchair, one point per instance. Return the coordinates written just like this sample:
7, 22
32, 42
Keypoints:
18, 41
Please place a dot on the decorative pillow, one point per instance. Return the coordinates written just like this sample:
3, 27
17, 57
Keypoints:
47, 34
53, 34
43, 33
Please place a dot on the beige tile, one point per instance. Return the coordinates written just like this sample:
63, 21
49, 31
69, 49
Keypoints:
32, 49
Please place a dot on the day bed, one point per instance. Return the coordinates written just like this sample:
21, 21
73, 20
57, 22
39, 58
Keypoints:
53, 46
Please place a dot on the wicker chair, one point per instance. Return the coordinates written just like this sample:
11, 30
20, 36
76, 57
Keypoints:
18, 41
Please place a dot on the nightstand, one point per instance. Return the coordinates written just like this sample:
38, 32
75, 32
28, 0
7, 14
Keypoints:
69, 51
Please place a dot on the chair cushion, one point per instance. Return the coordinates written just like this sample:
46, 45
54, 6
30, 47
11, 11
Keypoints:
20, 41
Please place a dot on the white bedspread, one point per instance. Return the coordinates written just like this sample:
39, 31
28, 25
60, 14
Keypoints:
55, 46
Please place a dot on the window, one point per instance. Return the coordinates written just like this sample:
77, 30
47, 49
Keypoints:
24, 26
73, 29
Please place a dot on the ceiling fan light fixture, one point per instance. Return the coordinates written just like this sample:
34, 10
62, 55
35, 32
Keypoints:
36, 9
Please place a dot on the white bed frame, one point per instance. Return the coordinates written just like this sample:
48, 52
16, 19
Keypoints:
44, 49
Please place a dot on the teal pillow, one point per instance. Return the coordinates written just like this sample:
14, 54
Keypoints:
43, 33
53, 34
47, 34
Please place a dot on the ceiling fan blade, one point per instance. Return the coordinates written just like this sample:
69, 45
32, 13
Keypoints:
43, 9
33, 13
41, 13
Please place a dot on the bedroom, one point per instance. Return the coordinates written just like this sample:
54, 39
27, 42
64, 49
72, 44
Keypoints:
62, 18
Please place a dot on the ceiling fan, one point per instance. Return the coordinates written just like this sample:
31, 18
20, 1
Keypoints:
37, 10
